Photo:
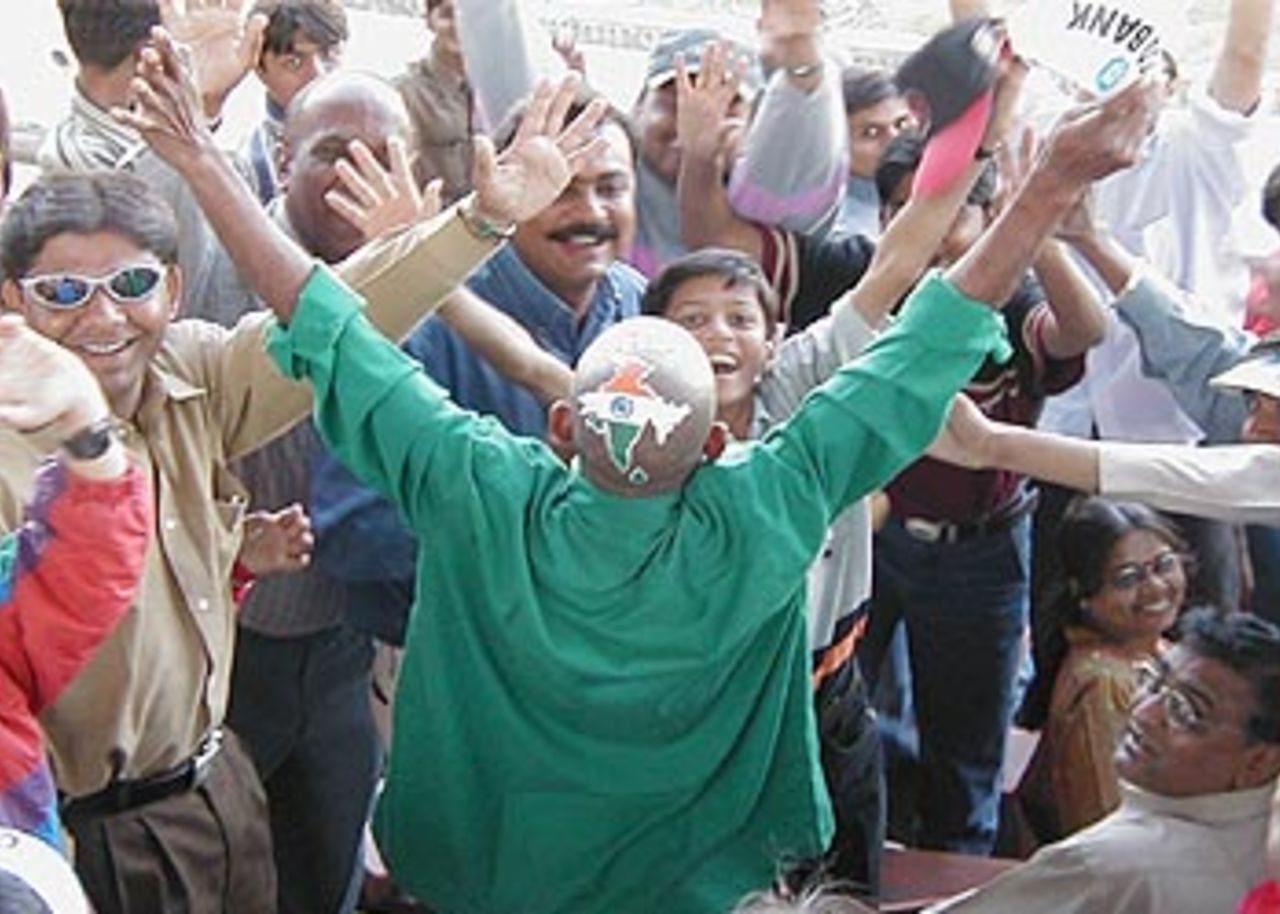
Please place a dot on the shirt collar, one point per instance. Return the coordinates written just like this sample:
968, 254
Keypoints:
100, 121
1207, 809
553, 323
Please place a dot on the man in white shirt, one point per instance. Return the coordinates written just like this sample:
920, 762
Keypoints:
1198, 763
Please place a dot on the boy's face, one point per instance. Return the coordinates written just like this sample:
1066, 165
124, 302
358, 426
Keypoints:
729, 324
287, 73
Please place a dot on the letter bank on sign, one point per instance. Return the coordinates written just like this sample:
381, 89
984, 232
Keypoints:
1101, 47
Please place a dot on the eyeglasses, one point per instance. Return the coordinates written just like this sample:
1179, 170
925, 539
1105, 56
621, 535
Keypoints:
1182, 710
1132, 575
68, 291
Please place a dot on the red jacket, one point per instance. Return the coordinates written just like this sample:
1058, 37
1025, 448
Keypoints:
67, 576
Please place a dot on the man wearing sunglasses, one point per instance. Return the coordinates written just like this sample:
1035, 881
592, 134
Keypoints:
1198, 763
166, 810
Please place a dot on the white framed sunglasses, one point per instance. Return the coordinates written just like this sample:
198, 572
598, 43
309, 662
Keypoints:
69, 291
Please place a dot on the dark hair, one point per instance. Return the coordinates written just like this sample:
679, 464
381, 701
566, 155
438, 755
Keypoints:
104, 33
433, 4
1271, 198
323, 21
737, 268
1250, 646
864, 88
612, 115
1090, 530
6, 147
902, 157
83, 204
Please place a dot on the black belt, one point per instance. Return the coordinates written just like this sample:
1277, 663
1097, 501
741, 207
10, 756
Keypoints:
945, 531
119, 796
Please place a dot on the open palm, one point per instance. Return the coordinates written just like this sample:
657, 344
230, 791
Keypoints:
542, 158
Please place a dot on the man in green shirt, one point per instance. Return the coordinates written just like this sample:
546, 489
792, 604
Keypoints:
605, 703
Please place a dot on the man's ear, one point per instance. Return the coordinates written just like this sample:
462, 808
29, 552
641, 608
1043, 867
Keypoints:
174, 286
717, 440
560, 430
1259, 766
11, 297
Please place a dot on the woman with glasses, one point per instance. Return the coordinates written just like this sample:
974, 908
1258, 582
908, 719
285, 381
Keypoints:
1125, 581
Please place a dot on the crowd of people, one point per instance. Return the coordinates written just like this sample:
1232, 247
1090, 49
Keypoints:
467, 496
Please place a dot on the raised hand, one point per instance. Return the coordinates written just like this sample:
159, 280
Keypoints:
43, 385
1079, 226
166, 109
542, 157
703, 101
277, 542
1092, 141
377, 200
789, 32
224, 47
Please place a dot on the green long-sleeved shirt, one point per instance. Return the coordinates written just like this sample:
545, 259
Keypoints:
604, 704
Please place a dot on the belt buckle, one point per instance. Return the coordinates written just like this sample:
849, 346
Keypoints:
929, 531
204, 756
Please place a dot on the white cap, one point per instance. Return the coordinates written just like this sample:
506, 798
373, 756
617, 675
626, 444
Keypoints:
40, 869
1259, 372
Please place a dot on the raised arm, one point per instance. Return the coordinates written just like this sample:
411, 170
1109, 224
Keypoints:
506, 52
72, 569
1090, 142
795, 154
1237, 74
911, 239
702, 130
1231, 483
1176, 348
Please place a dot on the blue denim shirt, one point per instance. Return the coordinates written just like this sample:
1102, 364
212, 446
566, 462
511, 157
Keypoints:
360, 538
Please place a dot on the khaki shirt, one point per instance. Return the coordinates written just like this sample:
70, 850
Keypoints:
160, 682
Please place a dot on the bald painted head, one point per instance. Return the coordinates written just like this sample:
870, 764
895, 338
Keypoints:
321, 122
642, 413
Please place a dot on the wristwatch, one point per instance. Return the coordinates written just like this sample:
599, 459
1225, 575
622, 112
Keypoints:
804, 70
482, 226
92, 441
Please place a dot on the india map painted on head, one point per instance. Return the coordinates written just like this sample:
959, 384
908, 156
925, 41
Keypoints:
620, 410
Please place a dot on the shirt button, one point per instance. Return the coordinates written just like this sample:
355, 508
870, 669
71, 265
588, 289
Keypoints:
170, 524
202, 605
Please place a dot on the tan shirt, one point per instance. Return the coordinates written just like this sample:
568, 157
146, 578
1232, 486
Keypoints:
160, 681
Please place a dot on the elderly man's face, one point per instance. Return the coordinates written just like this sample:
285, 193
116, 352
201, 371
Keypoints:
1187, 733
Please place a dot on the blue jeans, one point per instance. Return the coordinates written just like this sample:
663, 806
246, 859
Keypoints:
965, 608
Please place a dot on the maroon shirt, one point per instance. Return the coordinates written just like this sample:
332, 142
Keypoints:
1013, 392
